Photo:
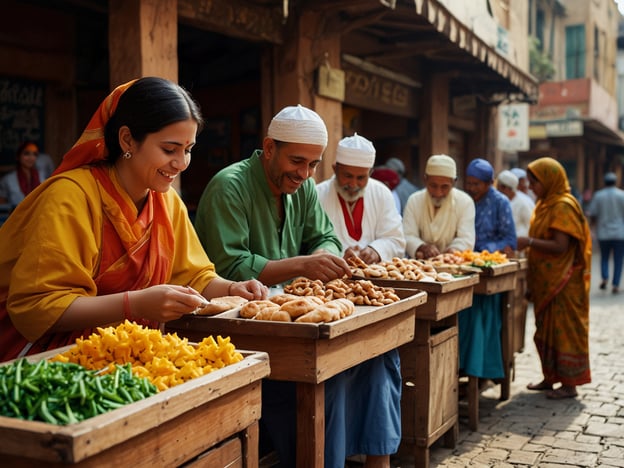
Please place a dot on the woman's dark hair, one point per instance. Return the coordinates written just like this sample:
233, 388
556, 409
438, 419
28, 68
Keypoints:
147, 106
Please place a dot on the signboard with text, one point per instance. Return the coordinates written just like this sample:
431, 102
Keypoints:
513, 127
21, 116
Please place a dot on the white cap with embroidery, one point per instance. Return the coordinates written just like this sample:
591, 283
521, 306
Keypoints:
298, 124
355, 151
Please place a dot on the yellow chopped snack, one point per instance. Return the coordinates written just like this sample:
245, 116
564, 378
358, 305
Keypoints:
166, 360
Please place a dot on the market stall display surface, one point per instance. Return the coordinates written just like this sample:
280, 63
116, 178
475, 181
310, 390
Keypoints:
429, 363
209, 415
311, 353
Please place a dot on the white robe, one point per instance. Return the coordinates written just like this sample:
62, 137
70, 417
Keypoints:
452, 226
522, 209
381, 222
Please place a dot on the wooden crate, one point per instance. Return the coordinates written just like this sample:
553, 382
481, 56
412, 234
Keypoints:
167, 429
429, 403
443, 298
496, 279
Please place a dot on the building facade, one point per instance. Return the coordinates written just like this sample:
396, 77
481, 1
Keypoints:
417, 77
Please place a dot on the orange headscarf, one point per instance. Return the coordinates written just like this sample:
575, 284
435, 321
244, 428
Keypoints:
90, 147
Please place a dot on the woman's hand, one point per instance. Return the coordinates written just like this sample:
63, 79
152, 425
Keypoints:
523, 242
164, 302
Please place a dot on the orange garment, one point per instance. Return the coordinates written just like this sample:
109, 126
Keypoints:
559, 283
81, 235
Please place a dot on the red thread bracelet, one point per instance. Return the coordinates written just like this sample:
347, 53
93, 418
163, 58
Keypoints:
126, 306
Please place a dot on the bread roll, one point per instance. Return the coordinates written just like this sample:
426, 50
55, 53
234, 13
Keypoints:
274, 315
221, 304
252, 308
301, 305
280, 299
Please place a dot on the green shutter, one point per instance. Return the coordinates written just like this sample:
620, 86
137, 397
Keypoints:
575, 51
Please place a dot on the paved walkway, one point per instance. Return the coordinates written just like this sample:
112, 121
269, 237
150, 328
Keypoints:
529, 430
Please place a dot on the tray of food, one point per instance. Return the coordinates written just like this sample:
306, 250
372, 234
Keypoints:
416, 274
128, 399
312, 309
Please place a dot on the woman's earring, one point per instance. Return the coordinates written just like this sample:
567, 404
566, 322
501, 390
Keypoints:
127, 155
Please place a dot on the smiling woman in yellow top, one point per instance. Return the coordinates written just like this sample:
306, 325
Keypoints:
107, 238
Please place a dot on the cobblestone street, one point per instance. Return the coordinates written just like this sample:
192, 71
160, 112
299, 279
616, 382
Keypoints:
530, 430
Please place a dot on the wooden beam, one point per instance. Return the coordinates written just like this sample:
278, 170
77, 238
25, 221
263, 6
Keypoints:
234, 18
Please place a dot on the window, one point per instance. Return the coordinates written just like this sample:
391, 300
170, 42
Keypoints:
575, 51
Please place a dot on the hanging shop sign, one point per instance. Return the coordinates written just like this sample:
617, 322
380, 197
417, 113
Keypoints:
513, 127
379, 90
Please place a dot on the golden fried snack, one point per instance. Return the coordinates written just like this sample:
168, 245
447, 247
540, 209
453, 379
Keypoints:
301, 305
324, 313
273, 315
345, 306
221, 304
280, 299
252, 308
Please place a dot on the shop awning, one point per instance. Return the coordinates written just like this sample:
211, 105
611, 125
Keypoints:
396, 34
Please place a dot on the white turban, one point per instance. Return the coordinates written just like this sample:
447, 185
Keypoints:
509, 179
355, 151
298, 124
441, 165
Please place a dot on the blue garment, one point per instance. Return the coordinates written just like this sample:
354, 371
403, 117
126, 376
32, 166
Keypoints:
360, 425
480, 348
494, 224
606, 247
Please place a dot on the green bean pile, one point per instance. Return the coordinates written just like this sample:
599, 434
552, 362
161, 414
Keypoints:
66, 393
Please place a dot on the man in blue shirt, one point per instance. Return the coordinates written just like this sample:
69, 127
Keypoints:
480, 350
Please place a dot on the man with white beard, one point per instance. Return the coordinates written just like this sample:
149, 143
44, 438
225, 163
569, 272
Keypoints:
368, 225
361, 209
439, 218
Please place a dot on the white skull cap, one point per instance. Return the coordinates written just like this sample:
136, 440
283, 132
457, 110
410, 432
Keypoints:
355, 151
509, 179
298, 124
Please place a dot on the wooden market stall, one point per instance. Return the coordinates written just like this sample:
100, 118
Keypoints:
430, 365
207, 421
310, 353
493, 280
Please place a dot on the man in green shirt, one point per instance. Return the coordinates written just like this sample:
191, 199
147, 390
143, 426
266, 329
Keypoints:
261, 218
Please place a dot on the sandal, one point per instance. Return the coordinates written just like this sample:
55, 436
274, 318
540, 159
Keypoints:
562, 393
543, 385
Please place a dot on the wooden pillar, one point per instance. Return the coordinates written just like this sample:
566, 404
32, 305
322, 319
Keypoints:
308, 43
434, 132
142, 39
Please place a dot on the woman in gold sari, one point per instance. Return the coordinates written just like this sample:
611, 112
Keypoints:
559, 256
107, 238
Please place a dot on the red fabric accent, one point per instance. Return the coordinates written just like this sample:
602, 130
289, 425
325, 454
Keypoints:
353, 219
27, 186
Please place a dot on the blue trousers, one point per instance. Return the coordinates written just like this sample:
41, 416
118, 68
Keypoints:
607, 247
362, 412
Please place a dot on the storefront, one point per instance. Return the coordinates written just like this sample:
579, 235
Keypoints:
415, 80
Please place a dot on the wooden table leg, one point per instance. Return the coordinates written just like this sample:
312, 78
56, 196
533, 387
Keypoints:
451, 436
507, 337
250, 439
473, 402
310, 425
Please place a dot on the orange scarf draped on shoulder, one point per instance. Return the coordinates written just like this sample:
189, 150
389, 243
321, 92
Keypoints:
137, 248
